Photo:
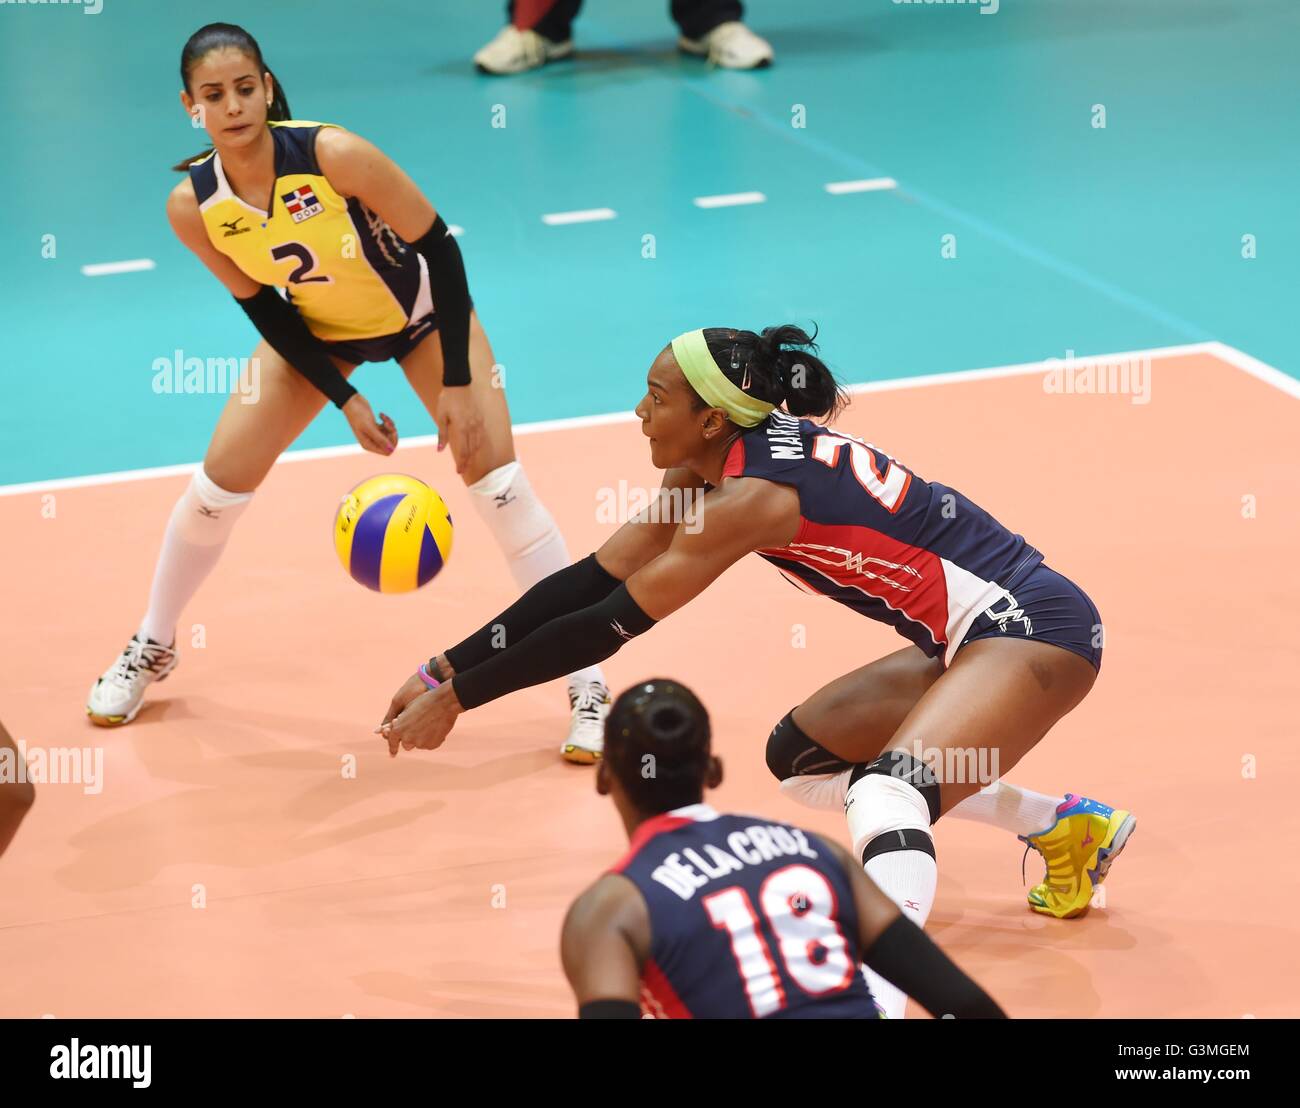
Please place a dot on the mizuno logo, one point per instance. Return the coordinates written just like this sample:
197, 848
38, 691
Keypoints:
233, 228
619, 629
204, 510
504, 498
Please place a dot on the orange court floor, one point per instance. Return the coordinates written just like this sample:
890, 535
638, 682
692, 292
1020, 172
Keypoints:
251, 850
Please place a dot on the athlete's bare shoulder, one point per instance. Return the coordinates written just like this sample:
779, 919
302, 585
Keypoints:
182, 196
183, 210
606, 938
766, 510
342, 154
336, 144
613, 901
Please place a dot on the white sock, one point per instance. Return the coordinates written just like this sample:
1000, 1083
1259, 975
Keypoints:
879, 805
1012, 809
909, 879
526, 533
197, 533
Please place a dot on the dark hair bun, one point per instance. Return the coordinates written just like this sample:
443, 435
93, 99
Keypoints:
780, 366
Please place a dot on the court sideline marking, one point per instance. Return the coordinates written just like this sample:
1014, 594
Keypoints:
1230, 355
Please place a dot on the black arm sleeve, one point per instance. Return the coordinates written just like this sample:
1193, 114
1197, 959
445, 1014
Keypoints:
279, 323
567, 590
450, 289
610, 1010
562, 645
905, 955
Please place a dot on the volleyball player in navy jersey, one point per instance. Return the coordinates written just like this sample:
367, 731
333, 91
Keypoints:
1001, 647
728, 916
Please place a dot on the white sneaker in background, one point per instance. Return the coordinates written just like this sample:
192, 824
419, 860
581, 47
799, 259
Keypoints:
516, 51
731, 45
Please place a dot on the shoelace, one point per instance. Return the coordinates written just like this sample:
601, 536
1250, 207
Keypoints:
137, 656
588, 702
1025, 858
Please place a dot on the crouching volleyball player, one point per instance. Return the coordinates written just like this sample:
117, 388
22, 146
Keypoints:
1002, 646
371, 273
726, 916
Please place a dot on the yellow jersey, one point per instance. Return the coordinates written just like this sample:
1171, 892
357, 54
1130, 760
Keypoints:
348, 273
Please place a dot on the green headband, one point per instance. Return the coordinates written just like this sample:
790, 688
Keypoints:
711, 384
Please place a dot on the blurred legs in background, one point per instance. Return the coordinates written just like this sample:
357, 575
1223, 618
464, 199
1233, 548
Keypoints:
541, 31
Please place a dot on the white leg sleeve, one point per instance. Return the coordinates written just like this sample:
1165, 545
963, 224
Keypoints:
525, 531
196, 535
1020, 811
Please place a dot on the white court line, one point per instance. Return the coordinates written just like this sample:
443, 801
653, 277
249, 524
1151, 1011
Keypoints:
1023, 369
729, 200
869, 184
1228, 354
590, 215
1255, 368
107, 269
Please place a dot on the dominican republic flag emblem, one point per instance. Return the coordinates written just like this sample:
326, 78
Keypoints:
302, 204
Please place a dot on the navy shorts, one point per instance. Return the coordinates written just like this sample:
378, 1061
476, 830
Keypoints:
1045, 606
395, 346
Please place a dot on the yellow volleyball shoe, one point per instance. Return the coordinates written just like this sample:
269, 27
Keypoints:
1078, 849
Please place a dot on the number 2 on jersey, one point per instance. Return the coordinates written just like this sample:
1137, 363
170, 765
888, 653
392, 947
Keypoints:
306, 262
799, 905
889, 488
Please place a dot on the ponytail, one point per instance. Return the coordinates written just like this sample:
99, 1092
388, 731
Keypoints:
779, 366
228, 36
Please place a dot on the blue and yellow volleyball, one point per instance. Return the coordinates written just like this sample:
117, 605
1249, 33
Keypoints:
393, 533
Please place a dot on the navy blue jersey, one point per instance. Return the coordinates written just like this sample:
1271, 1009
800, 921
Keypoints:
748, 919
876, 537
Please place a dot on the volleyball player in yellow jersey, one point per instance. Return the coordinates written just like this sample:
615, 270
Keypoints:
371, 273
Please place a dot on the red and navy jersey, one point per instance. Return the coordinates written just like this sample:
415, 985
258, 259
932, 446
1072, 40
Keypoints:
748, 919
876, 537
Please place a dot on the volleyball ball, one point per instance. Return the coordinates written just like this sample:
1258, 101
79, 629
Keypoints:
393, 533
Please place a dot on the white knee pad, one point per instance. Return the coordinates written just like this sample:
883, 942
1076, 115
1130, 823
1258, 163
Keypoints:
877, 804
524, 530
496, 485
206, 513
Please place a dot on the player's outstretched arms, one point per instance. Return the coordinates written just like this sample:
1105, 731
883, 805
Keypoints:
649, 533
740, 516
573, 588
603, 945
16, 797
901, 952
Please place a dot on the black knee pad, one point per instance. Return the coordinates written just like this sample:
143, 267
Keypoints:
791, 753
907, 839
901, 765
